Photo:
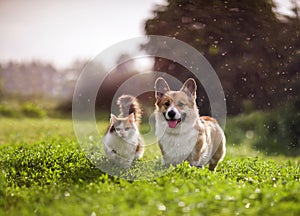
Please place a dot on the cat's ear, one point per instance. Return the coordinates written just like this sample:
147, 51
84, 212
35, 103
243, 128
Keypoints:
131, 118
113, 119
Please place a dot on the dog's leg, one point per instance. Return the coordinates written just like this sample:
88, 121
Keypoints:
196, 153
163, 153
218, 156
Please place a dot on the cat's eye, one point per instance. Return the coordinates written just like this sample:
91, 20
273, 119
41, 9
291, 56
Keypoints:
180, 104
167, 103
126, 129
118, 129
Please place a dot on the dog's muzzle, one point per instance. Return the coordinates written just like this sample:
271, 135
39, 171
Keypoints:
171, 119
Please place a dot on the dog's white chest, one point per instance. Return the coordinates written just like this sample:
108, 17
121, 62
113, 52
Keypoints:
178, 147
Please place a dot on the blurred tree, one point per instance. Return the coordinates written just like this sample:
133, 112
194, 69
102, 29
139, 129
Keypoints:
248, 46
291, 43
37, 80
28, 80
123, 71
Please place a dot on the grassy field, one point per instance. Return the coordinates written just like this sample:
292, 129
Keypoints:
45, 172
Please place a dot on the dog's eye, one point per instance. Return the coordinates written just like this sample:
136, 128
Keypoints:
167, 103
180, 104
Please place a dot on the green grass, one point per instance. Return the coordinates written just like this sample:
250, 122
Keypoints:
45, 172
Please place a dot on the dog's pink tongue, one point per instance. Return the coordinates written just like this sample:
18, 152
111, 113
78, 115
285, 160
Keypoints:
172, 123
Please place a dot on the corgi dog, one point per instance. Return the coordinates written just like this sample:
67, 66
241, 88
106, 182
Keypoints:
182, 134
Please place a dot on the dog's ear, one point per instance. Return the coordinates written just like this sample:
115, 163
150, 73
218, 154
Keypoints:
190, 87
161, 87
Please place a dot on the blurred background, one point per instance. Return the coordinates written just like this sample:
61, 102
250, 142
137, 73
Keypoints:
254, 46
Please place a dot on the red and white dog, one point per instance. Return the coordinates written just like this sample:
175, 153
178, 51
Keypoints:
182, 134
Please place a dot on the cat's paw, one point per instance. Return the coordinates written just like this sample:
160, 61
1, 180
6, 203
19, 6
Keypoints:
194, 163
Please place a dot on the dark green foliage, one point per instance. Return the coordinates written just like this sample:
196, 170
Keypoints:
8, 111
275, 132
254, 53
2, 192
45, 172
33, 110
45, 163
56, 178
27, 109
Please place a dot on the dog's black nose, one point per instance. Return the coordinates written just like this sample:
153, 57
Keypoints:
171, 114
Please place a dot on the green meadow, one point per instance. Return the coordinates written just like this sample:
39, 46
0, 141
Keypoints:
45, 172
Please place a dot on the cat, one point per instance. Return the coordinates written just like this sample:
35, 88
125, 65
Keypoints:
122, 142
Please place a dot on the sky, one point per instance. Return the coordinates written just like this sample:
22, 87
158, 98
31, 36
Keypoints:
60, 32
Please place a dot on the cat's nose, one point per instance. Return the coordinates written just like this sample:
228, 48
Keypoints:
171, 114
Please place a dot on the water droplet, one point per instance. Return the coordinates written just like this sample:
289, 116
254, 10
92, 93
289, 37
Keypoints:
217, 197
186, 209
175, 190
181, 204
249, 134
161, 207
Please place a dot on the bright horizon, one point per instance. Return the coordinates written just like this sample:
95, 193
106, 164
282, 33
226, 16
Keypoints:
60, 32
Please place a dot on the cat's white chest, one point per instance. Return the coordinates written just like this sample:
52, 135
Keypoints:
123, 148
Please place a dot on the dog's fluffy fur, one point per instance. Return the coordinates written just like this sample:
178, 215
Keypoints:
182, 134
